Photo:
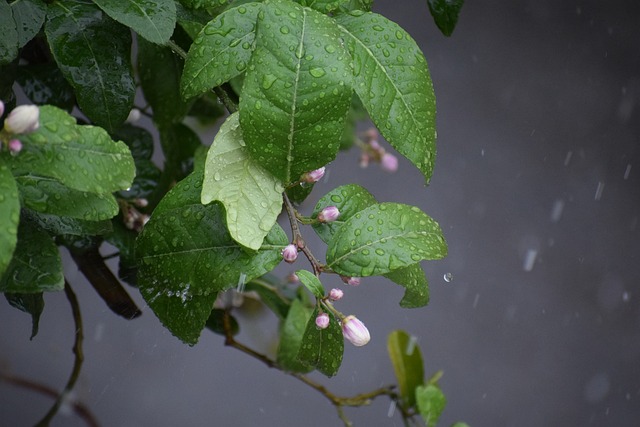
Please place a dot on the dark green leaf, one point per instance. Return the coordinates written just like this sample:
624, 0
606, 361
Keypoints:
61, 225
431, 402
153, 20
10, 214
383, 238
207, 109
445, 14
94, 54
29, 17
83, 158
35, 266
221, 51
45, 84
124, 240
8, 34
8, 74
216, 322
311, 282
407, 364
349, 199
414, 281
298, 193
393, 83
322, 348
32, 304
271, 295
179, 143
291, 333
140, 142
297, 90
202, 4
191, 21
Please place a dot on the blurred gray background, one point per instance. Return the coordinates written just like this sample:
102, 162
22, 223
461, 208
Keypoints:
536, 187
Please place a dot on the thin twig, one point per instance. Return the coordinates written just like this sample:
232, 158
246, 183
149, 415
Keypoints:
298, 240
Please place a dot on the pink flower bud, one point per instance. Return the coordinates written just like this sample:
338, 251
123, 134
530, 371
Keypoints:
290, 253
134, 115
328, 214
15, 146
322, 321
22, 119
1, 108
354, 331
293, 278
313, 176
375, 145
389, 162
335, 294
352, 281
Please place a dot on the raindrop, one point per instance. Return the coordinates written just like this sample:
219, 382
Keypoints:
556, 211
411, 345
529, 259
392, 409
216, 176
625, 296
475, 300
599, 191
258, 105
448, 277
317, 72
241, 282
627, 171
268, 80
329, 48
567, 158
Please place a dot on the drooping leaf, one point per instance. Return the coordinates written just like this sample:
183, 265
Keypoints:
35, 266
29, 17
8, 34
251, 196
140, 142
221, 51
32, 304
322, 348
153, 20
271, 295
297, 90
45, 84
83, 158
311, 282
414, 281
445, 14
62, 225
10, 214
93, 53
349, 199
392, 81
430, 402
406, 359
291, 333
216, 321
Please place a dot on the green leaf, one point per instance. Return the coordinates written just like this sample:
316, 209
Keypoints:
35, 266
407, 364
216, 322
221, 51
392, 81
191, 21
179, 143
61, 225
8, 74
336, 6
297, 90
29, 17
153, 20
124, 240
32, 304
445, 14
431, 402
10, 214
291, 334
94, 54
45, 84
8, 34
414, 281
271, 295
202, 4
322, 348
83, 158
349, 199
252, 197
459, 424
383, 238
311, 282
140, 142
160, 70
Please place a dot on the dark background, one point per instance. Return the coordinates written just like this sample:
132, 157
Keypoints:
536, 187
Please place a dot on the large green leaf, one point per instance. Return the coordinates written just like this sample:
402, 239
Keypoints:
35, 266
383, 238
311, 282
414, 281
406, 359
322, 348
8, 34
291, 333
94, 54
337, 6
392, 81
62, 225
32, 304
140, 142
221, 51
45, 84
297, 90
29, 17
445, 14
251, 196
10, 214
431, 402
153, 20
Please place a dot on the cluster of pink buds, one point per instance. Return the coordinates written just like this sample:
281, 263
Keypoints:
373, 151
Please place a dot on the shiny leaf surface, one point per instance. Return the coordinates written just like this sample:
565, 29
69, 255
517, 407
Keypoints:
322, 348
406, 359
10, 214
153, 20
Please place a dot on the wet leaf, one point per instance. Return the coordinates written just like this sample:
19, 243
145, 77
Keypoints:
10, 214
291, 334
29, 17
191, 21
311, 282
45, 84
336, 6
252, 197
430, 402
215, 322
140, 142
124, 240
32, 304
383, 238
93, 52
8, 34
61, 225
445, 14
392, 81
271, 294
322, 348
297, 90
153, 20
414, 281
83, 158
221, 50
406, 359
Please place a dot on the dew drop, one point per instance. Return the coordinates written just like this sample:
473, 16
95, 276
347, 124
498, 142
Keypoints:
448, 277
317, 72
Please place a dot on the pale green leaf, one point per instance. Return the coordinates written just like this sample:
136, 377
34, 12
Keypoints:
10, 214
406, 359
431, 402
153, 20
291, 333
311, 282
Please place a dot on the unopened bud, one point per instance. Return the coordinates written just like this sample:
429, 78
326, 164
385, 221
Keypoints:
141, 202
328, 214
322, 321
389, 162
22, 119
313, 176
354, 331
290, 253
335, 294
293, 278
353, 281
375, 145
134, 115
15, 146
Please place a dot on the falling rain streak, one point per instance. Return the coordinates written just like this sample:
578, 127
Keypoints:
627, 171
599, 191
556, 211
529, 259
